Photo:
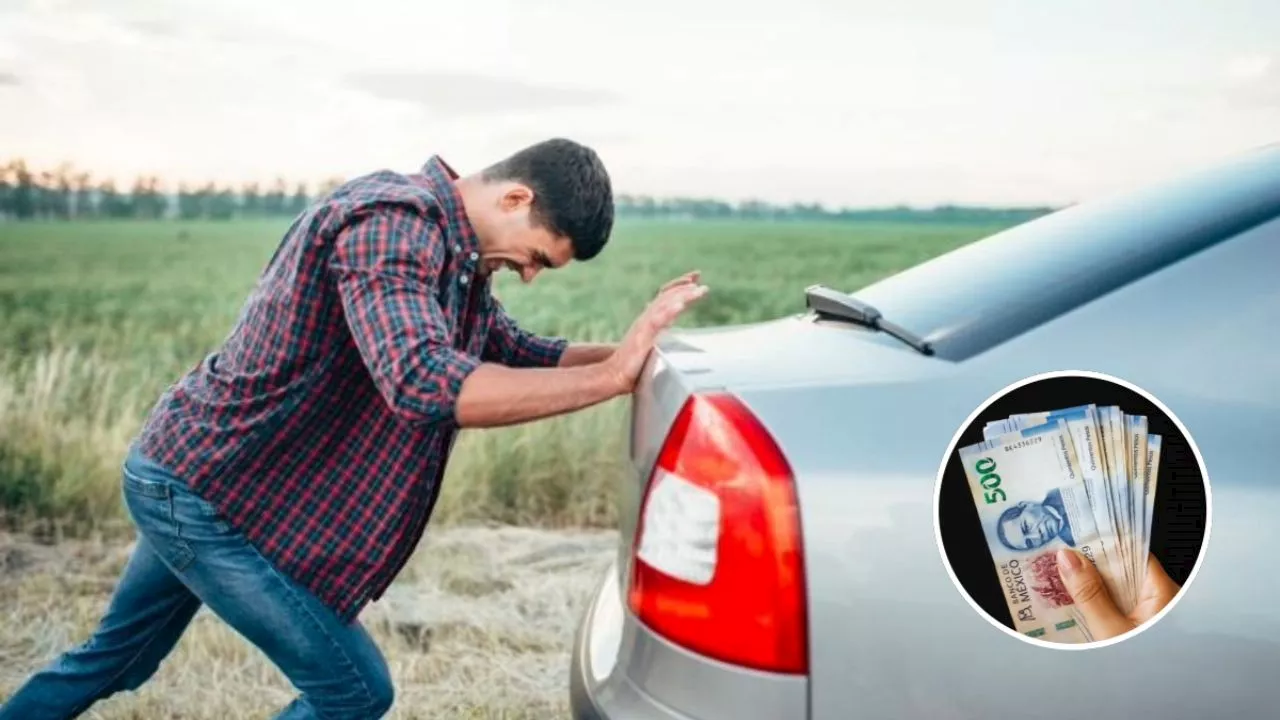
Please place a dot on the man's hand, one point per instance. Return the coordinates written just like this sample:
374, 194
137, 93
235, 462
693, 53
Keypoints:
1100, 613
689, 278
494, 395
674, 298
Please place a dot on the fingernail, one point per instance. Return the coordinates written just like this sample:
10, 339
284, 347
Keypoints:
1069, 561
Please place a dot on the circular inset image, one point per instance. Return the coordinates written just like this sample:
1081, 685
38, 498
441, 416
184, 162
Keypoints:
1072, 509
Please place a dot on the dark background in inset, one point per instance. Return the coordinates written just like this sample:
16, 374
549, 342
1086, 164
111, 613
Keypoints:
1178, 517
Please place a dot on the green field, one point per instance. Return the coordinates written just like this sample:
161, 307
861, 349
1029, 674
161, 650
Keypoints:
97, 318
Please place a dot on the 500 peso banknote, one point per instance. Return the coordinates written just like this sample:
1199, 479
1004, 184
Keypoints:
1030, 492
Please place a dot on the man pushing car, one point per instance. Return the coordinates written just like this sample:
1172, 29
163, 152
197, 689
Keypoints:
286, 478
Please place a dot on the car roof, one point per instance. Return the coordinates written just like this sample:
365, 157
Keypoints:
987, 292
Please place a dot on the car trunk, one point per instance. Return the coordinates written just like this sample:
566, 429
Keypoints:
791, 357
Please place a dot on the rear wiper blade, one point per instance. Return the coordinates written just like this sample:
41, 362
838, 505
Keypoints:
831, 304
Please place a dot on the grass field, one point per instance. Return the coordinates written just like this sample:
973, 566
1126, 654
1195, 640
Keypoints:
96, 319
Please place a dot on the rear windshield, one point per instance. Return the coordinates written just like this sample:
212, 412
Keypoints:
982, 294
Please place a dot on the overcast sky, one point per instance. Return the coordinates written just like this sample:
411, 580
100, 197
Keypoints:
843, 102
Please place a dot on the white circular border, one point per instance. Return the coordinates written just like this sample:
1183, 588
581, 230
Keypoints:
951, 448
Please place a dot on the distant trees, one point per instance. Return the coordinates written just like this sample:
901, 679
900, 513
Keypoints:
299, 201
146, 201
643, 206
273, 204
64, 194
251, 201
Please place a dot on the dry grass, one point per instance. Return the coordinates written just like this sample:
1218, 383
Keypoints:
66, 419
478, 626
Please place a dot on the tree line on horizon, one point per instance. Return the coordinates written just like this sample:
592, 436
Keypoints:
66, 193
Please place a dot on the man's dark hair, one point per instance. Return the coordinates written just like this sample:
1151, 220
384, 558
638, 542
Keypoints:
572, 193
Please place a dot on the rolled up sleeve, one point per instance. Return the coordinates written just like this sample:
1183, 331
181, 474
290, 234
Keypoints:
387, 268
513, 346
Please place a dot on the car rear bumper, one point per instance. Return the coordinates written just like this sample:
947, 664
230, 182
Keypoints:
623, 702
594, 693
620, 670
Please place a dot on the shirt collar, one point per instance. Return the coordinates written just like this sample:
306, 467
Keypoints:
439, 177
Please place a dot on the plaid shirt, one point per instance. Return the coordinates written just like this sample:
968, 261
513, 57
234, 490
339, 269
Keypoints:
322, 426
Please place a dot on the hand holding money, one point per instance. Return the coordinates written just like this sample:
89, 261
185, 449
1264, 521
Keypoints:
1094, 603
1081, 480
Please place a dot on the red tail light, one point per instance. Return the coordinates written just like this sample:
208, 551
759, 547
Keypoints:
718, 563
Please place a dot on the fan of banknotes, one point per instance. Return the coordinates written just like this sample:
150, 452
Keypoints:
1081, 477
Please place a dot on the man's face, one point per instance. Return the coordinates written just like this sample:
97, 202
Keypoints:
1034, 527
516, 243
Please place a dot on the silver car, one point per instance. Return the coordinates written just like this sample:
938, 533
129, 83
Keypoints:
782, 499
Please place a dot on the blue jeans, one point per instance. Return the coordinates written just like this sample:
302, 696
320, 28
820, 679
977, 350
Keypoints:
187, 555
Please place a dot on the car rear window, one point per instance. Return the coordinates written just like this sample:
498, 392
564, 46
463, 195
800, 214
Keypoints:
992, 290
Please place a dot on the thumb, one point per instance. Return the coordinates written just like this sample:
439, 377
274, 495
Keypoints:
1157, 584
1090, 596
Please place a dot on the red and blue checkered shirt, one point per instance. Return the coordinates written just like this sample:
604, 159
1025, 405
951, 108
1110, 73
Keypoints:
322, 426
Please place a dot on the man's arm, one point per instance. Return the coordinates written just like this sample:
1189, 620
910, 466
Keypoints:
578, 354
498, 395
387, 267
495, 395
511, 345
